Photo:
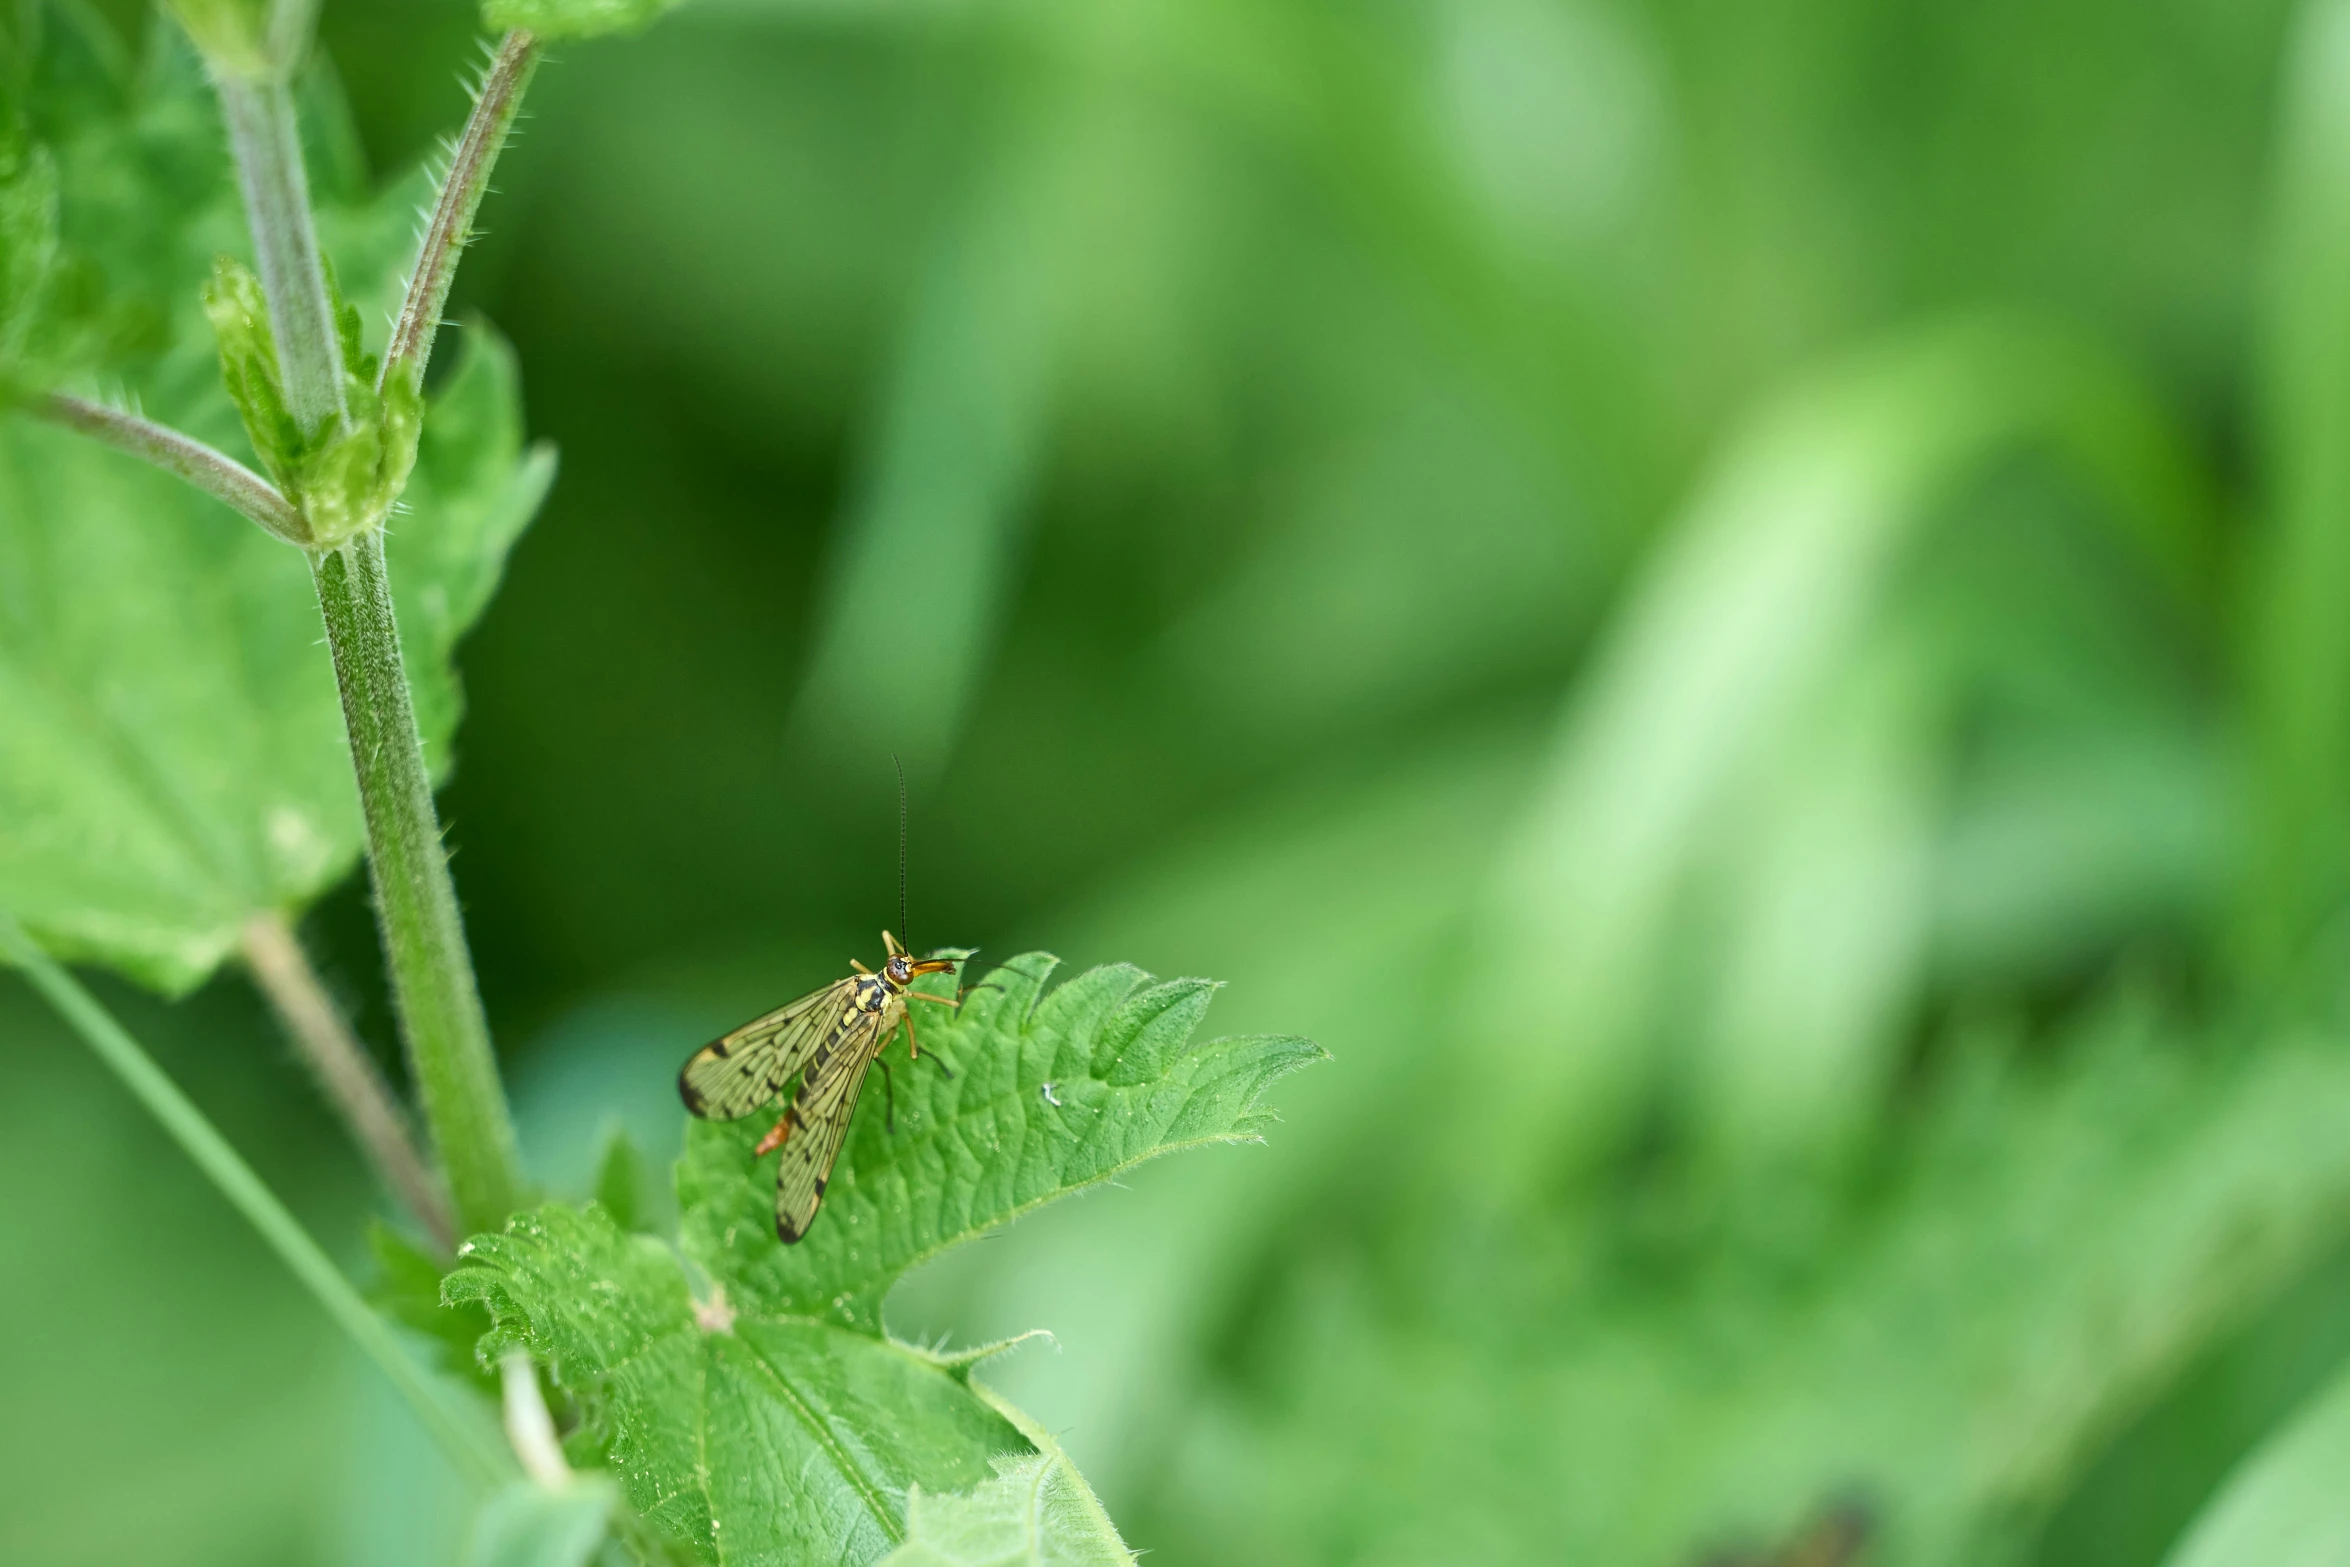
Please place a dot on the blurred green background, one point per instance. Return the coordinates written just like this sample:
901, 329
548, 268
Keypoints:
1745, 608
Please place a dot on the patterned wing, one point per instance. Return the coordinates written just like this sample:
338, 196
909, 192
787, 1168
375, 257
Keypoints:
820, 1118
735, 1074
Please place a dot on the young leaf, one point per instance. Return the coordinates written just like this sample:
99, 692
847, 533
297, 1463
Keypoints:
344, 477
239, 313
746, 1396
349, 482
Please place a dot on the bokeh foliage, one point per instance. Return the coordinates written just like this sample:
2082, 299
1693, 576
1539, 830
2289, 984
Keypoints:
1739, 606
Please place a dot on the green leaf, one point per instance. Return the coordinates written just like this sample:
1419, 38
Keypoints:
1037, 1510
348, 484
2054, 1239
774, 1437
28, 237
44, 310
103, 184
1034, 1513
984, 1146
2299, 642
746, 1395
1767, 587
2288, 1505
170, 738
171, 745
239, 313
407, 1288
620, 1179
526, 1524
575, 18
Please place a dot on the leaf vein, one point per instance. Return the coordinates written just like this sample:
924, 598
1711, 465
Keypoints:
829, 1440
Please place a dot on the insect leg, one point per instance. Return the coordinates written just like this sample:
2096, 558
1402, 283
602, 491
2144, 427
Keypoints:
914, 1045
889, 1089
940, 1001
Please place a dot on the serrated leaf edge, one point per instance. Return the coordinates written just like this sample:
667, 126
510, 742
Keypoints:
1243, 1131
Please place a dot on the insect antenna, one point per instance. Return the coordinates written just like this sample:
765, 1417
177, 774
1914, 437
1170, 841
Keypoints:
905, 938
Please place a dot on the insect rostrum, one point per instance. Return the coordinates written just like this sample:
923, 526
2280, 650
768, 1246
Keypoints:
827, 1038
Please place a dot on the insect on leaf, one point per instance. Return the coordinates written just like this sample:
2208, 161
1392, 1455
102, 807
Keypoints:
745, 1395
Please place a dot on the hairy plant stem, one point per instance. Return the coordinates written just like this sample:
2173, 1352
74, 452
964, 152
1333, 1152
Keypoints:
346, 1073
440, 1011
268, 148
494, 109
215, 473
468, 1446
433, 987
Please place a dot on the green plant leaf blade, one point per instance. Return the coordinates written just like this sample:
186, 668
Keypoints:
525, 1524
2287, 1504
1769, 586
754, 1438
1034, 1513
169, 731
171, 745
1111, 1046
28, 247
2298, 643
2054, 1239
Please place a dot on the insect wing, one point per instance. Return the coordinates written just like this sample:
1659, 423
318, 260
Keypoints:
820, 1120
735, 1074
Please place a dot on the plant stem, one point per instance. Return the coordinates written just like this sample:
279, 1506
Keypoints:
345, 1071
245, 1191
445, 237
441, 1020
530, 1430
415, 905
215, 473
268, 147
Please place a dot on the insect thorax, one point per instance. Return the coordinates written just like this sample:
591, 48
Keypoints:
873, 993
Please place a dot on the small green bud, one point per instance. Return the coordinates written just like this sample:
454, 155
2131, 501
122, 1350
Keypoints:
249, 365
351, 482
349, 329
346, 477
